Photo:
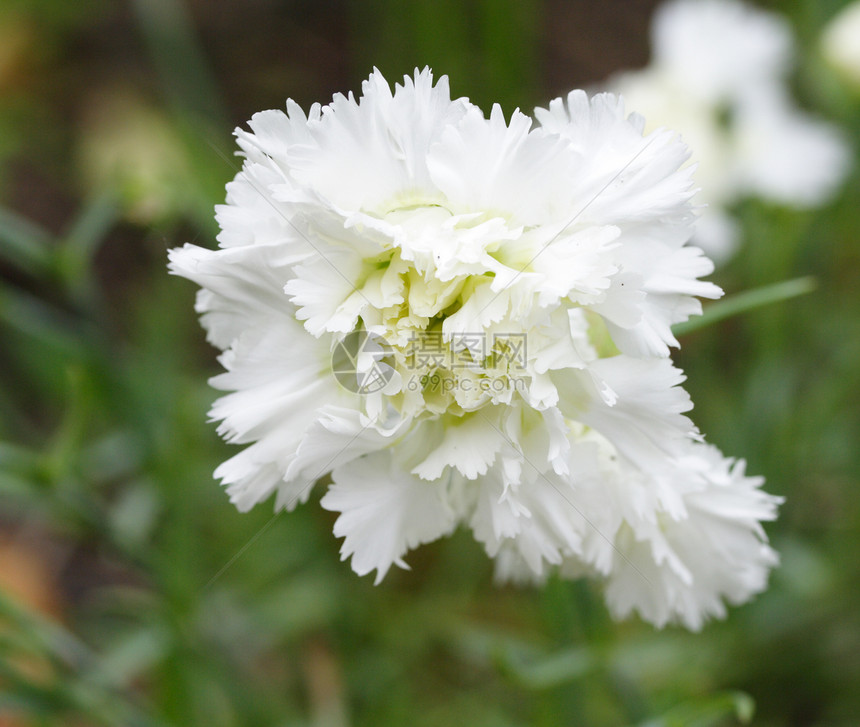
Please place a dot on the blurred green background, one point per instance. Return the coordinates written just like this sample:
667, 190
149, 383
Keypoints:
132, 593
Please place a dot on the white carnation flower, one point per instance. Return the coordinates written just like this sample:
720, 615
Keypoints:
466, 321
718, 75
839, 44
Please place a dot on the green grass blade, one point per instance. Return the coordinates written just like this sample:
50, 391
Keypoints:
24, 244
747, 301
90, 227
41, 321
709, 711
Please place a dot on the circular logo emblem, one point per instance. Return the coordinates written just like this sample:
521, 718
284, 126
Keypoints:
362, 362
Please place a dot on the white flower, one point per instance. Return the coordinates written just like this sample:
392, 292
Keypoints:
718, 76
839, 42
466, 321
720, 49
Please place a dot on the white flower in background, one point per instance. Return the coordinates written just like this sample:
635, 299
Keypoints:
718, 76
840, 42
467, 321
131, 148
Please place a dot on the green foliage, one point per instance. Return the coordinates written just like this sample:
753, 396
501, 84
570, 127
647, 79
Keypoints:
168, 607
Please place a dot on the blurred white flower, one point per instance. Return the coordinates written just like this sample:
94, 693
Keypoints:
840, 42
467, 320
718, 76
130, 148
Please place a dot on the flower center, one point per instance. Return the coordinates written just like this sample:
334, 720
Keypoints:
432, 287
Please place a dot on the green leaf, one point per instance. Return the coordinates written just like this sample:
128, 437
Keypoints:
91, 225
747, 301
131, 656
42, 634
21, 470
551, 670
19, 459
709, 711
171, 38
75, 253
40, 320
24, 244
65, 689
